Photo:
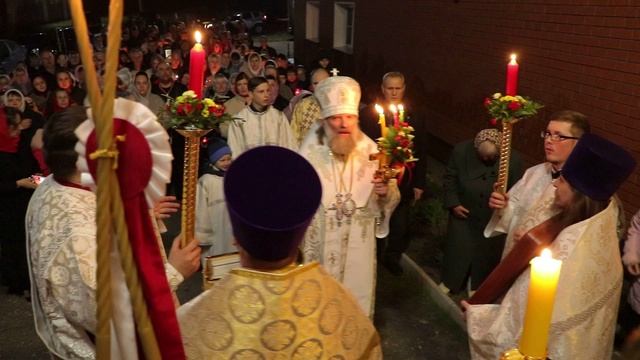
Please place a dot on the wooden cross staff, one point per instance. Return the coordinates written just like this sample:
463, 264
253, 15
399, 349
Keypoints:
109, 211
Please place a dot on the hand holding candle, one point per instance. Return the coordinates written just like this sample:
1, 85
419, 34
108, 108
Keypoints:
512, 76
382, 120
545, 272
197, 62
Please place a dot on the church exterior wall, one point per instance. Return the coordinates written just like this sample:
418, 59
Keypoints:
582, 55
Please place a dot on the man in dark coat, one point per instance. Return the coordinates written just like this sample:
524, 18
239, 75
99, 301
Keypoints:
412, 184
468, 183
168, 88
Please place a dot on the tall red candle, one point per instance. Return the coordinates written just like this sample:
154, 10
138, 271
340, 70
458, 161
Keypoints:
394, 112
197, 63
512, 76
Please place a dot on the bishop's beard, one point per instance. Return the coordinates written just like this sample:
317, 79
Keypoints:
342, 144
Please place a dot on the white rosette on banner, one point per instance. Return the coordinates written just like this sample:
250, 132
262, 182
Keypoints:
123, 330
142, 118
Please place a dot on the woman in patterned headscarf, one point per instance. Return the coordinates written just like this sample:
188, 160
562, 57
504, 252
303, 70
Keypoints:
473, 168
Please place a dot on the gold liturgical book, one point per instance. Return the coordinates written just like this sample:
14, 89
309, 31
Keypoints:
217, 267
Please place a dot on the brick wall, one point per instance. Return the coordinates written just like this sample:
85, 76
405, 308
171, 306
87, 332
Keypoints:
579, 55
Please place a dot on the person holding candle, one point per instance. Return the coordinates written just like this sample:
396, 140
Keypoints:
342, 235
413, 182
588, 291
527, 203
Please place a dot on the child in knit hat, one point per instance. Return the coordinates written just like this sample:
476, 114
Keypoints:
213, 227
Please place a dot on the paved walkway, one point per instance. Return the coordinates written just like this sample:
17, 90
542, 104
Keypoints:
411, 324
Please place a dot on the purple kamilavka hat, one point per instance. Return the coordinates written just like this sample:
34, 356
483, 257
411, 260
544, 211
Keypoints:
272, 193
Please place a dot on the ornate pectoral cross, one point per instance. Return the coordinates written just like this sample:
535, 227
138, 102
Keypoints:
337, 206
332, 258
344, 208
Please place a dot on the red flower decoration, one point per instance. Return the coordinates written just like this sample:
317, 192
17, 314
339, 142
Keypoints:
188, 108
493, 122
514, 106
180, 109
487, 102
217, 112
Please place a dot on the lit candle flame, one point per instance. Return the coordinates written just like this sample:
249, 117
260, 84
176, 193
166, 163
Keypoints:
379, 109
393, 108
546, 253
513, 59
198, 37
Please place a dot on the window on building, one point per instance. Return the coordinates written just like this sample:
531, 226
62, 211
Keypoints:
313, 21
343, 24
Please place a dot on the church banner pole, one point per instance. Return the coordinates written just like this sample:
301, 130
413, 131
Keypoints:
190, 181
505, 156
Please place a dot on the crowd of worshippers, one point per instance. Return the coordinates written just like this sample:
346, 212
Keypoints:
290, 180
154, 61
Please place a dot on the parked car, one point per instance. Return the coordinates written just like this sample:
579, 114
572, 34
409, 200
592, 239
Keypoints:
36, 41
254, 21
11, 53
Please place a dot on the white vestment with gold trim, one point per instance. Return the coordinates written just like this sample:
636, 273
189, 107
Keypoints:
346, 247
586, 303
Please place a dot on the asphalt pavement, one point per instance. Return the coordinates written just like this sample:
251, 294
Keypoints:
410, 323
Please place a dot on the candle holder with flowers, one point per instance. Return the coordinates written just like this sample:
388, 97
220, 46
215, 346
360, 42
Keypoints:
395, 155
192, 118
508, 110
188, 112
396, 151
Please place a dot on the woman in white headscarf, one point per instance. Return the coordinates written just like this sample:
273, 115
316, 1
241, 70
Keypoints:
32, 134
141, 93
21, 79
253, 67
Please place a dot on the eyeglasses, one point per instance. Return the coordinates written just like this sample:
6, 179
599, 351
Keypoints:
556, 137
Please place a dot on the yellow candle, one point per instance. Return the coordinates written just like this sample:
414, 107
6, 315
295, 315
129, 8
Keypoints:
382, 120
401, 111
545, 272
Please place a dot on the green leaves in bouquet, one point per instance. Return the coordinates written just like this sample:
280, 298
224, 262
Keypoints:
511, 108
398, 143
187, 111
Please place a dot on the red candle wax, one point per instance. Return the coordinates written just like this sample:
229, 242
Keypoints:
512, 76
394, 112
197, 63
